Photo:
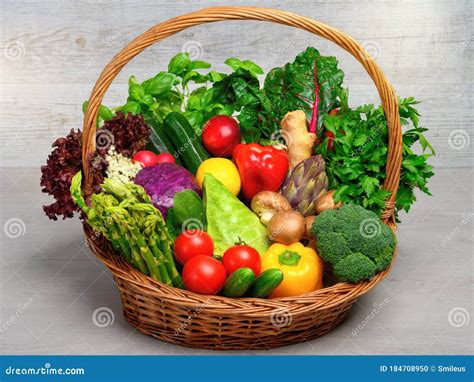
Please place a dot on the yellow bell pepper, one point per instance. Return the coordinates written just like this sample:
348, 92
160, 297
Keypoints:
301, 266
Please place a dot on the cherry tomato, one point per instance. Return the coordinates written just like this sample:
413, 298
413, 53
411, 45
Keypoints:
220, 135
148, 158
165, 158
240, 256
192, 243
204, 275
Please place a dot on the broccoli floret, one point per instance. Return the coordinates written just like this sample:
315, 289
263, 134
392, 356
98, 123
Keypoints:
333, 247
354, 267
355, 241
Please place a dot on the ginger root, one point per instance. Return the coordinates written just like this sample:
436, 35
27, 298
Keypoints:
300, 142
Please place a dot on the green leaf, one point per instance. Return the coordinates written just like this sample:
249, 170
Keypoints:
131, 107
136, 92
194, 76
160, 84
213, 76
178, 64
188, 205
198, 65
105, 113
132, 81
247, 65
369, 184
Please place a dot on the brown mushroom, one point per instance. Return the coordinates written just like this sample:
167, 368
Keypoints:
326, 202
266, 203
286, 227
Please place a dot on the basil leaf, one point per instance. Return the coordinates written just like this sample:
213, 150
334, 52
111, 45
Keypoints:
179, 64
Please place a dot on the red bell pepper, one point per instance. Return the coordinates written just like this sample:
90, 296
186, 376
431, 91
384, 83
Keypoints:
261, 168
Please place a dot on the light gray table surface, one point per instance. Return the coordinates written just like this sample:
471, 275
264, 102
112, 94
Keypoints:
57, 298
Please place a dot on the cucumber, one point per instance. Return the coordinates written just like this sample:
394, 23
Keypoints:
159, 142
187, 144
238, 282
266, 283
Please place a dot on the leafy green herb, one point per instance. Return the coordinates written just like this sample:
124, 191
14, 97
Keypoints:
199, 96
356, 163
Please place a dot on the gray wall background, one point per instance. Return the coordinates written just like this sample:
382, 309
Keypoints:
51, 53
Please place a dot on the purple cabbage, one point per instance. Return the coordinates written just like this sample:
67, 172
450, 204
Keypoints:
164, 180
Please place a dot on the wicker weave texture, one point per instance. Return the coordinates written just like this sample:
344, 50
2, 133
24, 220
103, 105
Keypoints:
186, 318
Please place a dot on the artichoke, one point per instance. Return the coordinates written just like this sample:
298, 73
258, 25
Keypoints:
305, 183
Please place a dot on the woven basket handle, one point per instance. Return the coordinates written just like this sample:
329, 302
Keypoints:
213, 14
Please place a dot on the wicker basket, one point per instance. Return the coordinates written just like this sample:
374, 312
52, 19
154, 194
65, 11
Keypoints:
186, 318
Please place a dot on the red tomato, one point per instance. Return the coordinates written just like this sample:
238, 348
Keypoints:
165, 158
192, 243
204, 275
148, 158
240, 256
220, 135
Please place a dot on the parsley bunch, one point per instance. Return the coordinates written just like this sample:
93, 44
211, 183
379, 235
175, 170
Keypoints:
355, 161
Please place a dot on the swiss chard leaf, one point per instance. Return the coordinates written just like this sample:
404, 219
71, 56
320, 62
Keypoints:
311, 83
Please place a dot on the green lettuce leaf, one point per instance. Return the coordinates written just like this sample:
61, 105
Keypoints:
229, 220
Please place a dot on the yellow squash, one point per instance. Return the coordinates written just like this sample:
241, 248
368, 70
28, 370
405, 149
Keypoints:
302, 269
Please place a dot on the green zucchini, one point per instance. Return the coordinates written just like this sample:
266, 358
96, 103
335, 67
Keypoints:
159, 142
238, 282
187, 144
266, 283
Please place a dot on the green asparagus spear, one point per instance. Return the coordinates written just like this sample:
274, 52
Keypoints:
120, 217
149, 232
